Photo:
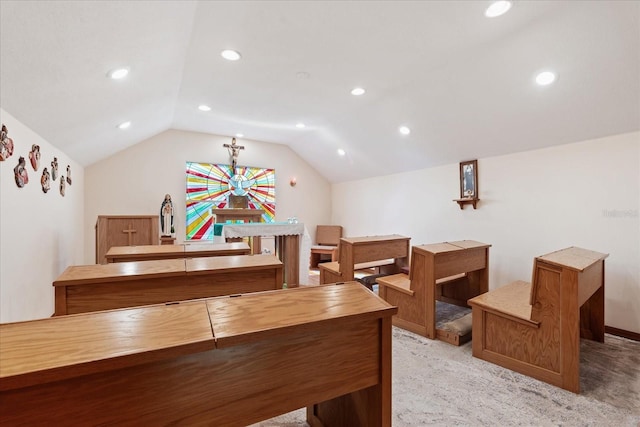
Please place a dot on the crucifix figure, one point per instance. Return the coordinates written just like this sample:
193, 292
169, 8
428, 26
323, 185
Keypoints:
234, 151
130, 231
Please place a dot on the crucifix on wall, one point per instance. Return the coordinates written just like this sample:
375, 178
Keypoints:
234, 151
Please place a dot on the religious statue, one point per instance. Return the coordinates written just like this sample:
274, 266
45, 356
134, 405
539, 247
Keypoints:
6, 144
34, 156
45, 180
54, 168
20, 173
166, 216
234, 152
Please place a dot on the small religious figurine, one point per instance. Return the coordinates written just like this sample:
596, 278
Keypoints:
34, 156
62, 183
234, 152
166, 216
6, 144
69, 174
20, 172
45, 180
54, 168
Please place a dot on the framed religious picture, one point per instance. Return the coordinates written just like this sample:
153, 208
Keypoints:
469, 179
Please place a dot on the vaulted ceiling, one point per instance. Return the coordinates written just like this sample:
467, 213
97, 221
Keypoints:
463, 83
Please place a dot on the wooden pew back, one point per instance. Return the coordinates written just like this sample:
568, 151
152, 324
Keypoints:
328, 235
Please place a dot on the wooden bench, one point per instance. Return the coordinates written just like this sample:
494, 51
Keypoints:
451, 272
387, 253
86, 288
328, 239
219, 362
196, 250
535, 328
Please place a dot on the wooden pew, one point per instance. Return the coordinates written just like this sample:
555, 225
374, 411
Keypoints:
451, 272
388, 253
151, 252
222, 361
328, 239
535, 328
86, 288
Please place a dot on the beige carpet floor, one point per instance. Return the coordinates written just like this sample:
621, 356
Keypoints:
437, 384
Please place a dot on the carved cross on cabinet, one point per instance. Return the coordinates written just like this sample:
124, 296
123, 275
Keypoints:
130, 231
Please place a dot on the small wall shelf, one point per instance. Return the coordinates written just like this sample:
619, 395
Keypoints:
471, 201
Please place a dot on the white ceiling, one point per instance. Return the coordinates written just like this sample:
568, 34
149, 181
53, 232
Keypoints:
463, 83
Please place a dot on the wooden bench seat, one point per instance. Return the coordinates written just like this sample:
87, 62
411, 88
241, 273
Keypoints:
399, 282
450, 272
535, 328
511, 301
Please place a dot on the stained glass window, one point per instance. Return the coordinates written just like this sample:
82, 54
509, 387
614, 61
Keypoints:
209, 186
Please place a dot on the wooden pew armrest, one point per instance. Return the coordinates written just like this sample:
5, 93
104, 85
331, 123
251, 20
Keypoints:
510, 301
399, 282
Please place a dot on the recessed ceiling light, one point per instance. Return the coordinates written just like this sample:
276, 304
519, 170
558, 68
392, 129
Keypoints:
404, 130
497, 8
300, 125
357, 91
341, 152
545, 78
230, 55
124, 125
239, 135
204, 107
118, 73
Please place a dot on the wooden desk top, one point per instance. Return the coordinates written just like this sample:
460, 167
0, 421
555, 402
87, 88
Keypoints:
438, 248
142, 250
230, 263
573, 257
179, 251
374, 239
45, 350
258, 315
79, 274
204, 249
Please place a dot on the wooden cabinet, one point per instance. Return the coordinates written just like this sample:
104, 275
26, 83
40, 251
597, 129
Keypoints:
125, 230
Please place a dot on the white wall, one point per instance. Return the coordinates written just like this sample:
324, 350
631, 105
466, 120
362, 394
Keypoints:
134, 181
40, 234
585, 194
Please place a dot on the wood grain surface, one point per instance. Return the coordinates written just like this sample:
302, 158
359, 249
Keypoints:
161, 365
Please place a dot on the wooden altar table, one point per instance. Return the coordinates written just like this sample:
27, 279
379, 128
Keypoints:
293, 244
246, 215
86, 288
197, 250
222, 361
